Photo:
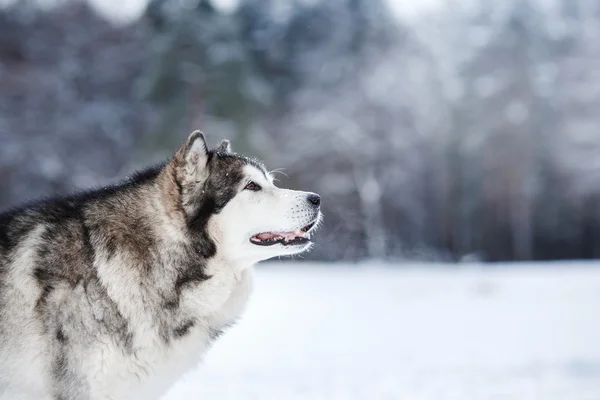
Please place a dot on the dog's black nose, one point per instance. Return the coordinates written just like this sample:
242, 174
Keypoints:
314, 199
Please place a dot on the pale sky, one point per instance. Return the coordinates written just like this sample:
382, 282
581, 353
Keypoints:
125, 11
128, 10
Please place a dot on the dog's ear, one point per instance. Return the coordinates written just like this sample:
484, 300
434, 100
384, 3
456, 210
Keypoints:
191, 160
224, 146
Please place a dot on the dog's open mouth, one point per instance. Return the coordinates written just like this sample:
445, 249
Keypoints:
297, 238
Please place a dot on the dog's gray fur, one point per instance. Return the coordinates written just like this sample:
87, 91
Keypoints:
116, 292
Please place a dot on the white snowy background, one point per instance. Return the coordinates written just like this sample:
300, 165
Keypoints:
416, 332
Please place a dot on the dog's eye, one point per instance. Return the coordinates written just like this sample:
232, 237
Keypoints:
253, 187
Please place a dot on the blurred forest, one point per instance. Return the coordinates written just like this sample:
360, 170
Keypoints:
470, 132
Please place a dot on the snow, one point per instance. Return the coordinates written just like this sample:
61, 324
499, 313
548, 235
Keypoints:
434, 332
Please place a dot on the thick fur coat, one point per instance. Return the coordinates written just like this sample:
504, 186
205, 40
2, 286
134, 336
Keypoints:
113, 294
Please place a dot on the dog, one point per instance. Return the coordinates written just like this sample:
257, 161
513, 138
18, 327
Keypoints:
115, 293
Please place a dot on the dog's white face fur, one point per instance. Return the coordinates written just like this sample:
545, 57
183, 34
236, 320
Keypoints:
258, 220
267, 210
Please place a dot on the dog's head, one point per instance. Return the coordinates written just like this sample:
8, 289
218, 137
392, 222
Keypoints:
233, 199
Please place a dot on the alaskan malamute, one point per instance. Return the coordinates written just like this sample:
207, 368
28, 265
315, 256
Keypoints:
114, 293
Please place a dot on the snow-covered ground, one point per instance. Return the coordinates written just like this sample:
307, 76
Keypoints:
433, 332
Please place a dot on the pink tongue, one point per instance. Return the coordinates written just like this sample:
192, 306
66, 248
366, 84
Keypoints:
270, 236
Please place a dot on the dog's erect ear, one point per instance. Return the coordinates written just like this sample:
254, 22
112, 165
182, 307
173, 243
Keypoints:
224, 146
191, 159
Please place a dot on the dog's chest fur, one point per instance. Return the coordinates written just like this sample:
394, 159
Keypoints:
151, 370
160, 358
